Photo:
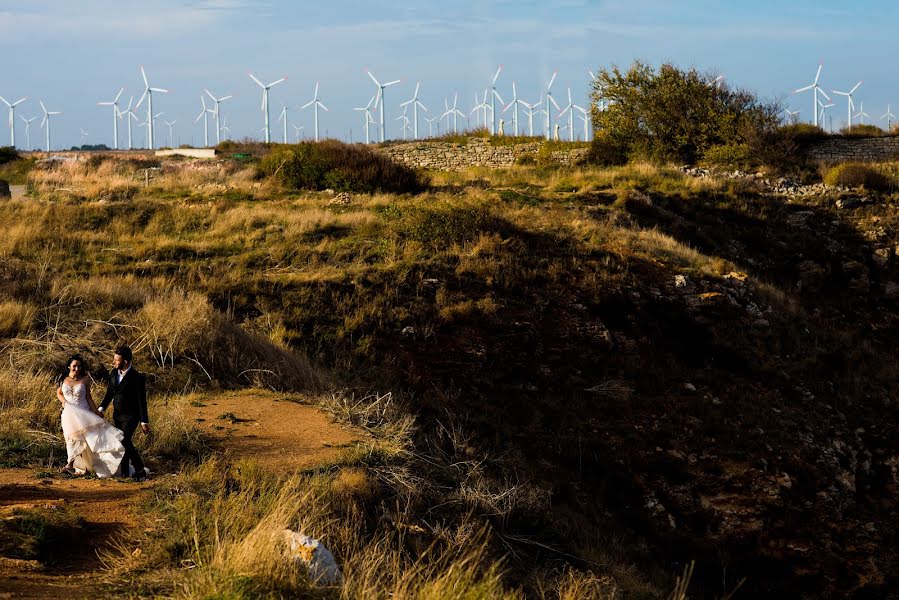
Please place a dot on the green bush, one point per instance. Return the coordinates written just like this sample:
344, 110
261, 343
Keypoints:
341, 167
671, 115
440, 225
736, 156
803, 132
863, 130
8, 154
858, 175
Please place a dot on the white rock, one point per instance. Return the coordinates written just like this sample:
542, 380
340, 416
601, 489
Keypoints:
312, 555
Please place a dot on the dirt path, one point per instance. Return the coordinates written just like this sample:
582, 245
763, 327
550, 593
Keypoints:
276, 430
17, 192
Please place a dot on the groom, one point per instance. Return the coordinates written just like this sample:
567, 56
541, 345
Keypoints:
128, 393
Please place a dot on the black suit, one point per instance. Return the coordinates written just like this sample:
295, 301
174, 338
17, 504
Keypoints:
129, 398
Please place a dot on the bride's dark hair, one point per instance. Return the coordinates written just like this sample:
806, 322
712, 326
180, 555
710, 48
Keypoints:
80, 359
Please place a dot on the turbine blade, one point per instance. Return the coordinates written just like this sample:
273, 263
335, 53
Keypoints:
117, 96
208, 92
160, 90
392, 82
818, 74
253, 77
323, 106
804, 89
852, 91
144, 75
307, 105
550, 86
222, 99
823, 93
373, 78
495, 77
274, 83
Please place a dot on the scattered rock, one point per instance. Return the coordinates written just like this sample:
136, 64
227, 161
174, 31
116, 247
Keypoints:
680, 281
343, 198
310, 554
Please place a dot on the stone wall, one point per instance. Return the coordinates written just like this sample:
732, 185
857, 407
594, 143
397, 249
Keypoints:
477, 152
835, 150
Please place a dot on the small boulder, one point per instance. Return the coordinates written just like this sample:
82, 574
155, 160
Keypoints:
310, 554
4, 189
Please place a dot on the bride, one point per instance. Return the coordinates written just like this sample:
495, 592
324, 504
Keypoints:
92, 444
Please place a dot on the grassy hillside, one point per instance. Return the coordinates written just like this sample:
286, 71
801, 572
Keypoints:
611, 372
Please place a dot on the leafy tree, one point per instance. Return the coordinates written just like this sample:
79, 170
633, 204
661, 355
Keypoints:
672, 115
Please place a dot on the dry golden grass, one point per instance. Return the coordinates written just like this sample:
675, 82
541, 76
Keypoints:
16, 318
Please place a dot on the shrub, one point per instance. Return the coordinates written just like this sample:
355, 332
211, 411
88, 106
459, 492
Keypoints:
439, 226
671, 115
8, 154
858, 175
338, 166
737, 156
863, 130
802, 132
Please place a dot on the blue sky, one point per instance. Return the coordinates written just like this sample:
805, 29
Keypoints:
74, 54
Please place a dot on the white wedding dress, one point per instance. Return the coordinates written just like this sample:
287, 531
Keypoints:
91, 441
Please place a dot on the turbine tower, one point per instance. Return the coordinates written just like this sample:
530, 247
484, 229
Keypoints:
889, 117
816, 89
548, 108
493, 96
204, 114
171, 132
218, 115
12, 118
514, 103
379, 99
148, 94
570, 110
130, 116
283, 117
115, 117
861, 114
415, 102
851, 105
265, 89
27, 130
368, 118
315, 103
45, 122
823, 114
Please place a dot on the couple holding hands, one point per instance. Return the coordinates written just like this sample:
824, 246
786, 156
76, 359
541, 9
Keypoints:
92, 444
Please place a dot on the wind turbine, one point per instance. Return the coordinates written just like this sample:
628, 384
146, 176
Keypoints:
431, 124
415, 102
816, 89
84, 134
570, 110
297, 130
368, 118
493, 96
380, 99
204, 114
129, 116
46, 121
225, 129
283, 117
148, 94
315, 103
218, 115
171, 133
515, 102
888, 116
823, 113
530, 109
851, 105
861, 113
265, 89
548, 108
27, 130
405, 121
115, 117
586, 118
12, 118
